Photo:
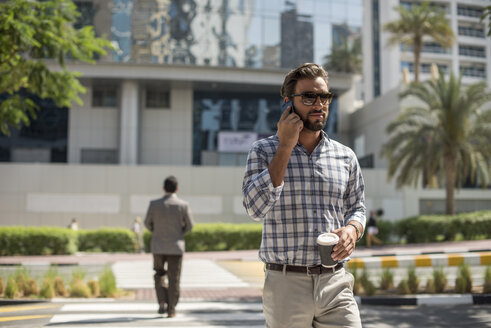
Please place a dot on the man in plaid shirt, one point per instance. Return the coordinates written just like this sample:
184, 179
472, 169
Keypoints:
302, 184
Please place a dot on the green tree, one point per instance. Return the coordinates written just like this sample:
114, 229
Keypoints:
447, 134
416, 23
487, 12
346, 57
32, 32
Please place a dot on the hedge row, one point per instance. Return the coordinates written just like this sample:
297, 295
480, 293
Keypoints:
107, 240
227, 236
219, 237
37, 241
431, 228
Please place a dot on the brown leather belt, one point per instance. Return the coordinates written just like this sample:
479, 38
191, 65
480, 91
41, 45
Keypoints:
318, 269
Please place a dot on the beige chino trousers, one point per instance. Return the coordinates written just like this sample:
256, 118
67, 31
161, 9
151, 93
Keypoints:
297, 300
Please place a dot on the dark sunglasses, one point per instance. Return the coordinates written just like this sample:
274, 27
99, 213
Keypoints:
309, 98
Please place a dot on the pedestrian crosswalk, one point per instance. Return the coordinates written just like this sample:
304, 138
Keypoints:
131, 314
196, 273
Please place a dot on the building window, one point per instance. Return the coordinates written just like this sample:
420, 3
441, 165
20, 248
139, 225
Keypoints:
410, 4
86, 10
43, 140
157, 99
469, 11
105, 96
99, 156
367, 162
428, 47
472, 51
475, 31
424, 67
473, 71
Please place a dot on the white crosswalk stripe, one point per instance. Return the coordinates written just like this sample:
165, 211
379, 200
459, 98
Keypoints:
189, 314
139, 274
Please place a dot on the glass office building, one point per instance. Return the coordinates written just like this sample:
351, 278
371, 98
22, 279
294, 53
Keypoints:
195, 39
237, 33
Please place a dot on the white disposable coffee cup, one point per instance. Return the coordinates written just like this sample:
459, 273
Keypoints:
326, 242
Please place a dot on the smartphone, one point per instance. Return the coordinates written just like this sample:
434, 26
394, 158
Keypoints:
289, 103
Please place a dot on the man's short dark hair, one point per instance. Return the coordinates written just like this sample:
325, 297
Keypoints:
170, 184
304, 71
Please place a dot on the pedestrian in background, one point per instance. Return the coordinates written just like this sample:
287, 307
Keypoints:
137, 230
303, 184
168, 218
372, 229
74, 224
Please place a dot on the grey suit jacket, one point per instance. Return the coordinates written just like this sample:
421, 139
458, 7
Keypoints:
168, 218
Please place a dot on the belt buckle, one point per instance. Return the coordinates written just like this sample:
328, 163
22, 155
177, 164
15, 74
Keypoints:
313, 270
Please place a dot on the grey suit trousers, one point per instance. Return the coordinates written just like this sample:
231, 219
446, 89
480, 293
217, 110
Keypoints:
167, 267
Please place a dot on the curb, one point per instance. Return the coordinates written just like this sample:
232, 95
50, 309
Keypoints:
7, 302
451, 299
422, 260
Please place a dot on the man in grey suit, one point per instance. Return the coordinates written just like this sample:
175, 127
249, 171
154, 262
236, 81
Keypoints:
168, 218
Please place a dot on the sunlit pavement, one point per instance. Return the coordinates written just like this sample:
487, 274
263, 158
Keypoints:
223, 289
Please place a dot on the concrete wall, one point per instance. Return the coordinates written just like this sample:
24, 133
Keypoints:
91, 127
166, 134
371, 122
113, 195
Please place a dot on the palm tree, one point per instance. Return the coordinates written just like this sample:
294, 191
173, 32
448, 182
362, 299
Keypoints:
487, 12
416, 23
447, 135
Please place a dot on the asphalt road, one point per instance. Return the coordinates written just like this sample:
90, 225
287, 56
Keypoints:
225, 314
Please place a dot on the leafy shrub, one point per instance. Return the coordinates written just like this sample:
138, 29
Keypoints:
430, 286
385, 230
95, 290
11, 290
78, 273
368, 286
2, 286
78, 288
463, 283
421, 229
31, 287
107, 240
487, 281
59, 287
36, 241
224, 236
20, 279
227, 236
47, 289
107, 283
439, 279
403, 288
387, 279
412, 280
218, 237
357, 284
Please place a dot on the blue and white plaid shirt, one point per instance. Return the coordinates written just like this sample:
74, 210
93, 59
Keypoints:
320, 192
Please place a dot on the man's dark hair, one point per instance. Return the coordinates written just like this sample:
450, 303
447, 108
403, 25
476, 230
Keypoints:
170, 184
305, 71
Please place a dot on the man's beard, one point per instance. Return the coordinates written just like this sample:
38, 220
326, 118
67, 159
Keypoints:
314, 126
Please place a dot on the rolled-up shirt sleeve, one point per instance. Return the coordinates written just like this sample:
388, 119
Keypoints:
354, 198
259, 194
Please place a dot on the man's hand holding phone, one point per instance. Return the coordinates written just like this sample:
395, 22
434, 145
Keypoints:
289, 126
